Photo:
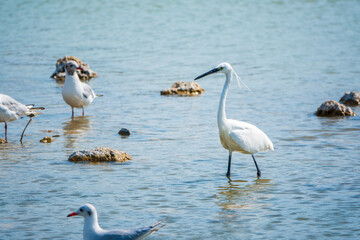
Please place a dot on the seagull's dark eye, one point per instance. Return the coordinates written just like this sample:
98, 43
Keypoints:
81, 210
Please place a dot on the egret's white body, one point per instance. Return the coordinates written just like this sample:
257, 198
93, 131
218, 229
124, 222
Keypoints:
237, 135
76, 93
11, 110
93, 231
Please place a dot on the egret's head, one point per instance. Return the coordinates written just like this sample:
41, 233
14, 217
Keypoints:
222, 67
71, 66
86, 211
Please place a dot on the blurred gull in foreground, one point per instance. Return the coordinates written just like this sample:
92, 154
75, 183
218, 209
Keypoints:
11, 110
92, 230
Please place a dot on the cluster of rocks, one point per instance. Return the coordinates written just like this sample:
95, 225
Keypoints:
85, 74
100, 154
334, 108
184, 89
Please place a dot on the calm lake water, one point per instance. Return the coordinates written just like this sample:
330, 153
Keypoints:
294, 55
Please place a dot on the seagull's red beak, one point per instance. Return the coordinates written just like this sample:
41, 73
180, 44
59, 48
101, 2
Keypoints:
72, 214
80, 68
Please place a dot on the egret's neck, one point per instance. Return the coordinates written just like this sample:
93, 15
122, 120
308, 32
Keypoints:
91, 226
221, 112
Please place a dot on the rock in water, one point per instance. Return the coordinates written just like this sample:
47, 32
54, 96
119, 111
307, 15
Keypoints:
184, 89
351, 98
100, 154
59, 73
2, 141
124, 132
333, 109
47, 140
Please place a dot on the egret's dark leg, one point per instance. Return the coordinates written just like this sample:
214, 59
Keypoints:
5, 132
257, 168
83, 110
72, 112
22, 135
229, 165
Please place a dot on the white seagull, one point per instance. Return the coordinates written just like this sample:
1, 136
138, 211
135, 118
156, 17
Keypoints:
76, 93
11, 110
92, 230
237, 135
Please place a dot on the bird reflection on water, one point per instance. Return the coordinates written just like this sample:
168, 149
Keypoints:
75, 128
238, 194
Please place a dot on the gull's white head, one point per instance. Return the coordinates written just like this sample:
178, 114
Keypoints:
71, 66
86, 211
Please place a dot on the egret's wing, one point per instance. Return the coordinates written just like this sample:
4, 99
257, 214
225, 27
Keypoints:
252, 140
88, 92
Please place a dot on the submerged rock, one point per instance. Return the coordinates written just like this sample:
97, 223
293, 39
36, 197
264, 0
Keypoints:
184, 89
2, 141
85, 74
47, 140
100, 154
124, 132
351, 98
333, 109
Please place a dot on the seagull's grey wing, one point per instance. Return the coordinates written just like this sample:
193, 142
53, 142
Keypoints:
12, 105
133, 234
88, 92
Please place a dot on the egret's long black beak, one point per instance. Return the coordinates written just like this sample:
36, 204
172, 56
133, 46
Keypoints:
208, 73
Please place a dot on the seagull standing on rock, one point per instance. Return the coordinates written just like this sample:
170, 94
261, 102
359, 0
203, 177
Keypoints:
92, 230
76, 93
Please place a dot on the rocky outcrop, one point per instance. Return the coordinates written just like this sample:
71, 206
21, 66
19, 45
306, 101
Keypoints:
100, 154
184, 89
85, 74
351, 98
333, 109
124, 132
47, 140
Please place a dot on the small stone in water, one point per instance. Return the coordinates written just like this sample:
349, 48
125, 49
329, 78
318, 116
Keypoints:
124, 132
2, 141
100, 154
351, 98
47, 140
333, 108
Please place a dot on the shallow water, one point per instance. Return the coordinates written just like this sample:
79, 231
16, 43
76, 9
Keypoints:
294, 55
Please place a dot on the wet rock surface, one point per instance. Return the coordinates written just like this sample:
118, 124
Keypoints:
100, 154
184, 89
351, 98
333, 109
85, 74
124, 132
47, 140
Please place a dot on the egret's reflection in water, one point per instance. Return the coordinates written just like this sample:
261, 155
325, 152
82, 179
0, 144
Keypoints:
239, 195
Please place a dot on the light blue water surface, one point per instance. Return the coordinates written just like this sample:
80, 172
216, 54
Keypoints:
294, 55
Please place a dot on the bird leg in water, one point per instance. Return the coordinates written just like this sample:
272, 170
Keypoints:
229, 165
257, 168
5, 132
72, 112
22, 135
83, 110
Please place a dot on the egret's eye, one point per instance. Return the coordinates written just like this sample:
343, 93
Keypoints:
221, 68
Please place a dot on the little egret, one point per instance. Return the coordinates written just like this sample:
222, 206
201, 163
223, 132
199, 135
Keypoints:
11, 110
92, 230
237, 135
76, 93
